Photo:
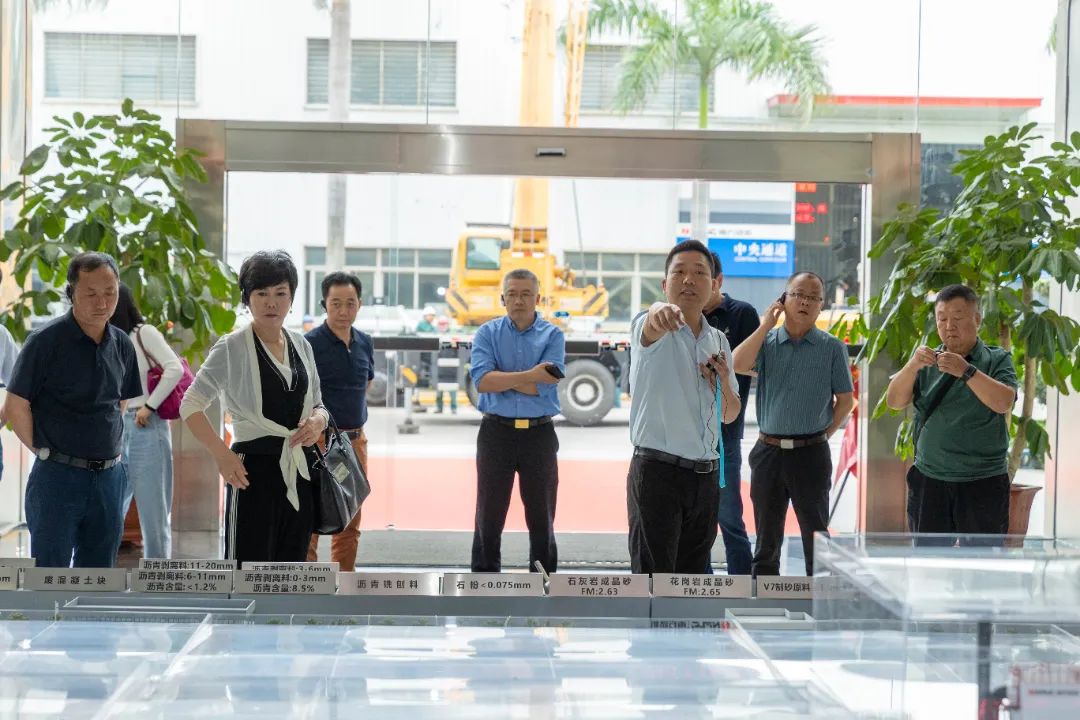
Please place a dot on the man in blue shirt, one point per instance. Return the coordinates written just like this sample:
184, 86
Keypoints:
804, 393
516, 363
66, 403
737, 320
345, 359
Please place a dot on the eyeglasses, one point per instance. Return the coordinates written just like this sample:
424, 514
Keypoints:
808, 298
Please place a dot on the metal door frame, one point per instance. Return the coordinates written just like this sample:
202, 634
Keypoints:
887, 164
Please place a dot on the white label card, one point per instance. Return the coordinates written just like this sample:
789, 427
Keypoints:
794, 587
363, 583
493, 584
182, 581
209, 564
295, 567
702, 586
610, 586
292, 580
75, 579
9, 578
17, 562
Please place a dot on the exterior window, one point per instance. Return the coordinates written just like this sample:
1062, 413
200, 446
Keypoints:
603, 70
94, 66
388, 72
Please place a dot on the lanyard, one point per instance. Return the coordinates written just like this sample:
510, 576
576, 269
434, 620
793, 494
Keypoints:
720, 430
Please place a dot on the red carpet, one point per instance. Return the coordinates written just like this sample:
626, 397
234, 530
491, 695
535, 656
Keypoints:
426, 494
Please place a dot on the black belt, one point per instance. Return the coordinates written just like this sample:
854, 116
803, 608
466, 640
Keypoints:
792, 443
699, 466
352, 434
518, 423
92, 465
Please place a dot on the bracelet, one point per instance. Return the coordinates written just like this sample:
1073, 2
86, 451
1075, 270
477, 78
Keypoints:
150, 407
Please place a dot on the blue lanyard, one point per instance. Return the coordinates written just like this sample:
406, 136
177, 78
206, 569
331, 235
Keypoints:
720, 429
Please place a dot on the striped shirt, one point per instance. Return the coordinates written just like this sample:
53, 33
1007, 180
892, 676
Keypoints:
797, 380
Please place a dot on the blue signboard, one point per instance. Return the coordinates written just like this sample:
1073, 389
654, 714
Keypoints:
743, 257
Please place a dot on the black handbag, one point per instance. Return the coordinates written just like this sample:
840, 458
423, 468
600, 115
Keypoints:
343, 486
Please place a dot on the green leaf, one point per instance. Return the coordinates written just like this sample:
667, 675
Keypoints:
187, 308
35, 160
222, 320
78, 118
121, 205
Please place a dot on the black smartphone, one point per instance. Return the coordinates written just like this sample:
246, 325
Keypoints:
554, 371
783, 298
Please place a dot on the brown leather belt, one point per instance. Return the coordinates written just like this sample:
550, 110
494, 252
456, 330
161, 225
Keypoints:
792, 443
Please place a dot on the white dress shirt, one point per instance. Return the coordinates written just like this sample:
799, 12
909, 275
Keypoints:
672, 407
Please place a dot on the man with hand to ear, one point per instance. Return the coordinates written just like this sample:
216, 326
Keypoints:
679, 361
804, 394
516, 361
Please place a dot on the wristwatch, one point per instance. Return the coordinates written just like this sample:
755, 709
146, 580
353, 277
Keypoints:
969, 373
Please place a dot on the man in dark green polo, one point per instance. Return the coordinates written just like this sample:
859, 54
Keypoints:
963, 393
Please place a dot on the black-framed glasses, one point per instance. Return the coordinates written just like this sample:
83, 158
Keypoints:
808, 298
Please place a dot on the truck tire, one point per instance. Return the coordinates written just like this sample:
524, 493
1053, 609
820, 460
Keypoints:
376, 392
587, 393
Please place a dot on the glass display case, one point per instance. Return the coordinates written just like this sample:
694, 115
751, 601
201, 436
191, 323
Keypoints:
931, 630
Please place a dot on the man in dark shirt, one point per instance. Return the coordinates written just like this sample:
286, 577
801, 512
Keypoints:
66, 403
737, 320
345, 359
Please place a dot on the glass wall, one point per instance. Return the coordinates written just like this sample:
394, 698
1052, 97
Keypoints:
951, 70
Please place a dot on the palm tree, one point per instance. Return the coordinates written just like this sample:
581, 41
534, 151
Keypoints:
743, 35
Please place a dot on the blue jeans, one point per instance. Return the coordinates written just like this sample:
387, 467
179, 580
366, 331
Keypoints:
730, 515
71, 509
149, 464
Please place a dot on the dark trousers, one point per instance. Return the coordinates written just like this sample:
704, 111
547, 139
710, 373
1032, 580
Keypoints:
75, 514
261, 525
502, 451
730, 515
948, 509
672, 514
801, 476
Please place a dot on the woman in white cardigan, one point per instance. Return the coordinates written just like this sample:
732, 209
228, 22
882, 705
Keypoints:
266, 374
147, 453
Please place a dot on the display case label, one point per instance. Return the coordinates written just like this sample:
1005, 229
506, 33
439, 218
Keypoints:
598, 586
493, 584
702, 586
75, 579
365, 583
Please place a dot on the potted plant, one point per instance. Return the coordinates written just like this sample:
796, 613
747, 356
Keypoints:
115, 184
1007, 235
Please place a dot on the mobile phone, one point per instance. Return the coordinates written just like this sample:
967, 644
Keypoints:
555, 372
717, 357
783, 298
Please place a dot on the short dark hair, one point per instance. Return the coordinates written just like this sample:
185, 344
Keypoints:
952, 292
341, 278
264, 269
690, 246
717, 266
88, 262
126, 316
798, 274
521, 274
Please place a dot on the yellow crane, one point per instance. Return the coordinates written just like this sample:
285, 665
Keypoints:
485, 253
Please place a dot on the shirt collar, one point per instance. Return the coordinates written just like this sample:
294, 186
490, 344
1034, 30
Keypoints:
810, 337
535, 323
331, 335
77, 332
